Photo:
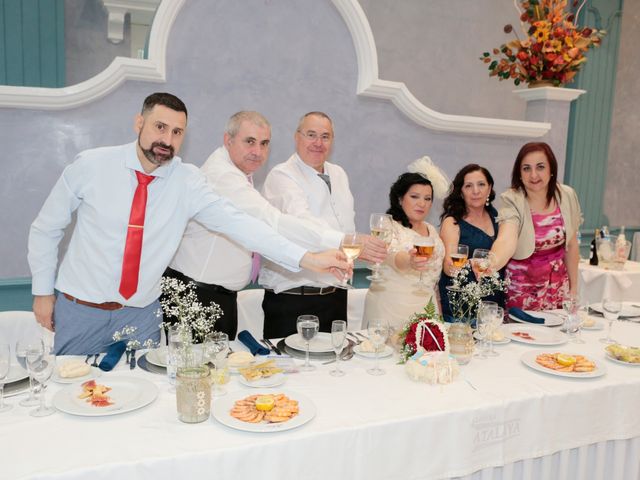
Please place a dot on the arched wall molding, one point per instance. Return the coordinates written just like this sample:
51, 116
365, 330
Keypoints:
369, 84
120, 69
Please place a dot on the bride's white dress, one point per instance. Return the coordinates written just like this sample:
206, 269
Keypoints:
396, 298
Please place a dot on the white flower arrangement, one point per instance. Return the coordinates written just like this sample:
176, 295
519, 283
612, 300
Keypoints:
465, 296
132, 344
181, 302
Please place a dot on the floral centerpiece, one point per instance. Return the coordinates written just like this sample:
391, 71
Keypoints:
180, 302
552, 49
131, 343
465, 295
424, 332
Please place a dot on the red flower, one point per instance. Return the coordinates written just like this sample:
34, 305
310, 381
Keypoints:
427, 341
550, 56
522, 55
586, 32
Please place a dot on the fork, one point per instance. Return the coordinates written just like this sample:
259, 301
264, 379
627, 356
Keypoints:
362, 335
95, 360
86, 360
356, 339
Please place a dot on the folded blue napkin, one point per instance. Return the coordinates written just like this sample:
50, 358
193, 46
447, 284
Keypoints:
524, 316
114, 353
252, 344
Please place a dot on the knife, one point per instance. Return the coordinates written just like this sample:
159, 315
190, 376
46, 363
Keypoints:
132, 362
272, 346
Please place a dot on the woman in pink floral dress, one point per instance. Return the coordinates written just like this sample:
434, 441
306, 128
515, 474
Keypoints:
539, 219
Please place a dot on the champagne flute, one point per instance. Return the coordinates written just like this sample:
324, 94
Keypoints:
481, 262
25, 345
378, 330
497, 317
425, 247
459, 255
610, 309
5, 366
381, 227
352, 247
483, 327
308, 326
338, 337
41, 364
216, 348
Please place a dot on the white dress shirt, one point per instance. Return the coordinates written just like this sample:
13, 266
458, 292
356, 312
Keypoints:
296, 189
100, 185
213, 258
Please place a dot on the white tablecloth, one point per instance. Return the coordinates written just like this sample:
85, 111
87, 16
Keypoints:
538, 425
597, 282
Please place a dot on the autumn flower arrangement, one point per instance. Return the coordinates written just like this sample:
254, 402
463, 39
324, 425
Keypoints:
553, 47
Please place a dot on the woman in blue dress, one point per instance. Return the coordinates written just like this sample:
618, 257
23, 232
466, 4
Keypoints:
469, 219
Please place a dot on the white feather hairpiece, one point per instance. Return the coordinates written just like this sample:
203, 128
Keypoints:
439, 180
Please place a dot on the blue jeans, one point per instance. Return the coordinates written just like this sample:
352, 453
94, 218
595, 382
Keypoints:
83, 330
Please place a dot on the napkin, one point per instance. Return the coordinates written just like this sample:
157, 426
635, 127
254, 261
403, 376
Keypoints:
525, 317
252, 344
114, 353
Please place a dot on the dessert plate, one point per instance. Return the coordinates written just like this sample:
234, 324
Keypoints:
321, 343
534, 334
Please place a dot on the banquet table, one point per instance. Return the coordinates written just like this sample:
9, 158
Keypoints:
595, 282
499, 419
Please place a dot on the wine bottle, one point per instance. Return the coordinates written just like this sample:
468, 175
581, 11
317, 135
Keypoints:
593, 251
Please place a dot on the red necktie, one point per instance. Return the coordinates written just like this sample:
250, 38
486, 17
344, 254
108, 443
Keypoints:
133, 244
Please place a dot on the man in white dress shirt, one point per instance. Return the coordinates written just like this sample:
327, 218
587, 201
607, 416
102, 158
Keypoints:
132, 202
310, 187
217, 265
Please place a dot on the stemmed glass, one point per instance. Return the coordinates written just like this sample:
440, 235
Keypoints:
378, 330
41, 365
486, 312
481, 262
459, 255
24, 346
216, 349
573, 320
424, 249
5, 366
497, 317
338, 338
381, 227
308, 326
351, 246
611, 309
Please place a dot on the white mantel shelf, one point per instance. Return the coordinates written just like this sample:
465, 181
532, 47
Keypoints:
549, 93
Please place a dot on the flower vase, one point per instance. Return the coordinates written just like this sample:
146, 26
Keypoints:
193, 394
542, 83
461, 342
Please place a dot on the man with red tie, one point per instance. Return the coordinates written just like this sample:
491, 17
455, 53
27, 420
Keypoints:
132, 204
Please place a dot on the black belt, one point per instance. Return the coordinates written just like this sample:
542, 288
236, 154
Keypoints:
209, 287
307, 291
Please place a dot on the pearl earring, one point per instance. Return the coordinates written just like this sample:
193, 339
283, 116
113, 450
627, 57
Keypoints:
487, 202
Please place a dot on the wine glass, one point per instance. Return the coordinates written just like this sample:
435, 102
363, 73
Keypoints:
459, 255
216, 349
573, 320
378, 330
179, 340
481, 262
424, 249
352, 247
381, 227
308, 326
41, 365
610, 309
25, 345
483, 327
5, 366
338, 337
497, 317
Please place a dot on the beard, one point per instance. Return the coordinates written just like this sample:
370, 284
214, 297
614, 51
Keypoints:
157, 159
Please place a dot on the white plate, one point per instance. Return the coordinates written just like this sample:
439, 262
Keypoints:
504, 341
387, 352
541, 335
321, 343
272, 381
628, 309
158, 356
93, 373
529, 359
222, 406
16, 373
621, 362
127, 393
552, 318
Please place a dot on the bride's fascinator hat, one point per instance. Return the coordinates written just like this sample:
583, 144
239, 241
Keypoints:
424, 166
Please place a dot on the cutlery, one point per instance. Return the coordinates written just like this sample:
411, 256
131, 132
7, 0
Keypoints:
95, 360
132, 363
86, 360
128, 355
269, 344
362, 335
347, 354
356, 339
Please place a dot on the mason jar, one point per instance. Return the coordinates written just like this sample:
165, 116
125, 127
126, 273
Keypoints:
193, 394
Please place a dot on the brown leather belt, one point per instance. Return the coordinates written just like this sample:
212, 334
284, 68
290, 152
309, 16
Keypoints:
307, 291
101, 306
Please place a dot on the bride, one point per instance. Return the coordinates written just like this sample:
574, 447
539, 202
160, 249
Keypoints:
399, 296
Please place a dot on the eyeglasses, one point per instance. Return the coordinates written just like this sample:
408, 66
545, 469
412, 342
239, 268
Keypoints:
313, 136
